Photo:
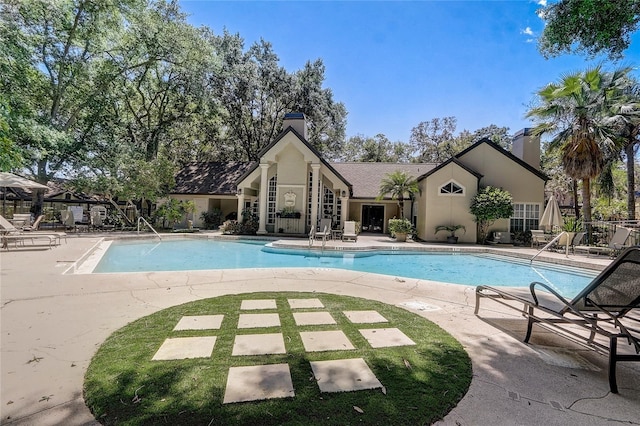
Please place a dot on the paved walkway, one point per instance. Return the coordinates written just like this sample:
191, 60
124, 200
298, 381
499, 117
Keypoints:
52, 324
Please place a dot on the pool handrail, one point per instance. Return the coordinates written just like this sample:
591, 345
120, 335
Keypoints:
140, 218
551, 243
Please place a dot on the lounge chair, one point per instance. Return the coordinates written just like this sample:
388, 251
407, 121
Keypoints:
35, 230
600, 310
349, 231
616, 244
12, 234
324, 230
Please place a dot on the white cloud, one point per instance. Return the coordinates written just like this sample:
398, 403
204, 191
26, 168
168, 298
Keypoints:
543, 3
527, 31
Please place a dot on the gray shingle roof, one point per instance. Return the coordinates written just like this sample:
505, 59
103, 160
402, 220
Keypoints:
216, 178
366, 177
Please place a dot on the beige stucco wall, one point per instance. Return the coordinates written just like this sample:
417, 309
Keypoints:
438, 209
500, 171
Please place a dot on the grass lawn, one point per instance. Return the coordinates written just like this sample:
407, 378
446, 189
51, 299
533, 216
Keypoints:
422, 382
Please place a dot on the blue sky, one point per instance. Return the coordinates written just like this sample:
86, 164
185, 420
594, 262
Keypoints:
395, 64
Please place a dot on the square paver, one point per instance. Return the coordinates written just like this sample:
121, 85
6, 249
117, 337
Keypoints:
313, 318
318, 341
258, 320
386, 337
248, 305
185, 347
344, 375
258, 344
305, 303
199, 322
258, 382
364, 317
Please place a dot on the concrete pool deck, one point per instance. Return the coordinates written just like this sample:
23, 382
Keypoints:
52, 324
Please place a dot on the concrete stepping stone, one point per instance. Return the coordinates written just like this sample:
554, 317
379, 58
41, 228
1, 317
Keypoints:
258, 320
248, 305
258, 382
305, 303
185, 347
318, 341
258, 344
386, 337
344, 375
199, 322
364, 317
313, 318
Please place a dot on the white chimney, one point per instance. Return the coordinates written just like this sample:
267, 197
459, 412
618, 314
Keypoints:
297, 121
526, 147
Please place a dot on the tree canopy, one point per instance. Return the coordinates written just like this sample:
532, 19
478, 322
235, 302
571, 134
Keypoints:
588, 26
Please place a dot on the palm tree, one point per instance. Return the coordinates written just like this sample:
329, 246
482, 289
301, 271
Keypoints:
628, 117
577, 111
399, 186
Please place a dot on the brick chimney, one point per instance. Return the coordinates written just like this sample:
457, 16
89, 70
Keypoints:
526, 147
297, 121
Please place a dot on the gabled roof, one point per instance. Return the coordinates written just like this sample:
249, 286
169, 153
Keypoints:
215, 178
449, 161
304, 141
366, 177
506, 153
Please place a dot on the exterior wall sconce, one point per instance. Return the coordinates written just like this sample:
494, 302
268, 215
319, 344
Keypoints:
344, 194
239, 191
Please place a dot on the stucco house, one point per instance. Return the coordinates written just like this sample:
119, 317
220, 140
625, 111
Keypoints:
292, 187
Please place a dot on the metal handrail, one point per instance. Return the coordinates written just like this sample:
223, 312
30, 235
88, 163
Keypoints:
550, 243
140, 218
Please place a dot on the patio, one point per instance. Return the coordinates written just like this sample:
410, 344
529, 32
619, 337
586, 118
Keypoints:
53, 323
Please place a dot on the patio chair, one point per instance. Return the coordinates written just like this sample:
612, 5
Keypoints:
538, 238
598, 311
67, 219
349, 231
35, 230
324, 230
95, 218
616, 244
312, 236
15, 235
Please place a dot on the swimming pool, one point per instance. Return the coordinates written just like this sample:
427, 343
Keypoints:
469, 269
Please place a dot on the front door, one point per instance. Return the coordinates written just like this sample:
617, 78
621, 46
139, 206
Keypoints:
373, 218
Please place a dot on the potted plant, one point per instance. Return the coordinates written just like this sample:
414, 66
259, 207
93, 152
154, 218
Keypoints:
400, 228
571, 226
451, 238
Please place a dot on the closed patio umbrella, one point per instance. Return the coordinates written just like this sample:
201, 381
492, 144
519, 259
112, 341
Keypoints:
551, 217
9, 180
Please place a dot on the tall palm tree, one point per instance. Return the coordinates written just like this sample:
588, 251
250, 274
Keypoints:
577, 111
399, 186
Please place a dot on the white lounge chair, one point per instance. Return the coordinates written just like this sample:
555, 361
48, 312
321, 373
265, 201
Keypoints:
324, 230
616, 244
349, 231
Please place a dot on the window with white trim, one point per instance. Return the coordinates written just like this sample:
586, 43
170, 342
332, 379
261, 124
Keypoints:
271, 199
526, 216
451, 188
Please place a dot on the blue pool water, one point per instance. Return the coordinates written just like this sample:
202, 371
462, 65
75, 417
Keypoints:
470, 269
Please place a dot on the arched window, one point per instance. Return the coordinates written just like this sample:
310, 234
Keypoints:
451, 188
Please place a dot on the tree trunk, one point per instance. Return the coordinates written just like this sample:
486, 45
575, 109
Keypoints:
631, 184
574, 191
586, 206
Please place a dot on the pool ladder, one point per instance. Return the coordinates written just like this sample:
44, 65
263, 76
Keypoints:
550, 243
149, 225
